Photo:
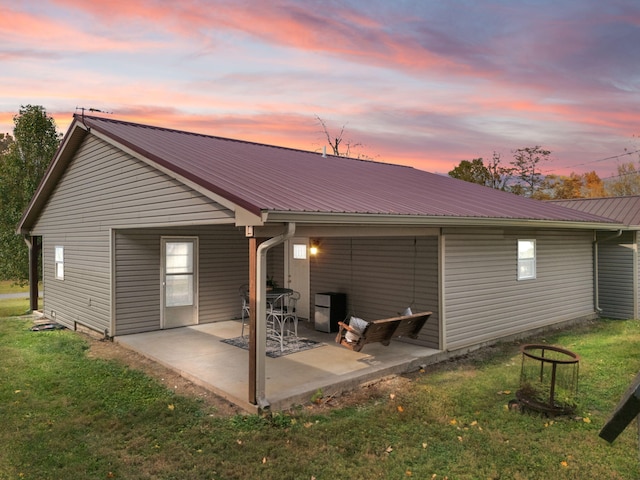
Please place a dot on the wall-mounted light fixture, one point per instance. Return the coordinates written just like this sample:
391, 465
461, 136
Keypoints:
314, 249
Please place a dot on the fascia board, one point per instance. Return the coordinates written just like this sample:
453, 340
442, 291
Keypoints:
436, 221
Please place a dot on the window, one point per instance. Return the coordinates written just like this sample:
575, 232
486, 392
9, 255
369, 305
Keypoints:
526, 259
299, 251
179, 273
59, 258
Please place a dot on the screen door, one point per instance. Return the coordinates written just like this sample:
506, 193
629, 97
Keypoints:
179, 282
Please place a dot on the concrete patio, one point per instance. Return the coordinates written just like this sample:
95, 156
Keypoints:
197, 353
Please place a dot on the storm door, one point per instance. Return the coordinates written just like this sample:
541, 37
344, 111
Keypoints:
179, 281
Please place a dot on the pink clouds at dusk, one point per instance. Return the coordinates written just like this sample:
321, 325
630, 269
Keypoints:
422, 83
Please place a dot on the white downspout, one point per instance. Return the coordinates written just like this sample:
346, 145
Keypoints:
261, 312
596, 272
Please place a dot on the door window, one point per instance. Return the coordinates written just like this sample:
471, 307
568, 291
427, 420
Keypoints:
179, 271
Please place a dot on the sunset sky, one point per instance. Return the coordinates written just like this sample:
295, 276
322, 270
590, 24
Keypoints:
423, 83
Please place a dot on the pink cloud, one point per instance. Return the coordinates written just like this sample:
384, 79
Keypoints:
41, 33
345, 32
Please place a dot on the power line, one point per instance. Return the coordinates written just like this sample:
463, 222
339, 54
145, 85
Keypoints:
614, 157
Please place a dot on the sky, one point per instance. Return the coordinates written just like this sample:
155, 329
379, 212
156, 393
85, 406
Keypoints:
423, 83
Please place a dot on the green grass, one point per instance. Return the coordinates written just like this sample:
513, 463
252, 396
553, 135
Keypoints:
14, 307
65, 415
9, 286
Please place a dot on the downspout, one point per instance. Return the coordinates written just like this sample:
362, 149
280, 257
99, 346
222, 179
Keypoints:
596, 274
261, 311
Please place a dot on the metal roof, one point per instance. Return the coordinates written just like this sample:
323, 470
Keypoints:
621, 209
278, 181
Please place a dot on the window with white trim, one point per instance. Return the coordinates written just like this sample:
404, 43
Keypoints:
299, 251
526, 259
59, 259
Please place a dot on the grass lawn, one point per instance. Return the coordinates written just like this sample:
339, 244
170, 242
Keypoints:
14, 307
67, 415
9, 286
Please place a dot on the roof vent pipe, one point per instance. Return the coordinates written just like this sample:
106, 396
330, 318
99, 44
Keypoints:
324, 151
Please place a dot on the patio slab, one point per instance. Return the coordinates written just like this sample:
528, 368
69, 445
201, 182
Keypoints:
197, 353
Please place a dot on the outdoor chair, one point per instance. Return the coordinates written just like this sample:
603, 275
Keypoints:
281, 316
381, 331
244, 301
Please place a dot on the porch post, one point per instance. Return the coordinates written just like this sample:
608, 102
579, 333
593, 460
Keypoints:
34, 256
253, 249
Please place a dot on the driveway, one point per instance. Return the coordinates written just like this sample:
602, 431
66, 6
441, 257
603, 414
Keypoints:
8, 296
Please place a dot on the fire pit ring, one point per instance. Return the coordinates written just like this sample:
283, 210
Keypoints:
548, 379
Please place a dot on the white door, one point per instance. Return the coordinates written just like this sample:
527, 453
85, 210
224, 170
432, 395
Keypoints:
179, 281
297, 272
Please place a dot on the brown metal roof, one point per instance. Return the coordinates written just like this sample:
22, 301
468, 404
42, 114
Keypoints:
263, 178
621, 209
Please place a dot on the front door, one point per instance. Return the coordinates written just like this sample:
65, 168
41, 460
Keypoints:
297, 272
179, 281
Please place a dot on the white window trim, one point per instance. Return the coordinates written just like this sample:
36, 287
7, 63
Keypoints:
59, 262
299, 251
530, 261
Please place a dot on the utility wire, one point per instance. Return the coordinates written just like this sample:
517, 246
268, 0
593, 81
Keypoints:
613, 157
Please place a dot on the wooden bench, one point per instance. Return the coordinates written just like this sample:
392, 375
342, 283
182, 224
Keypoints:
383, 330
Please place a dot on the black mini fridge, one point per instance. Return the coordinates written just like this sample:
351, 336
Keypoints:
331, 308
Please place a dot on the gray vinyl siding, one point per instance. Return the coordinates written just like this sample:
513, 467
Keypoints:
275, 264
102, 188
616, 272
485, 301
223, 267
381, 277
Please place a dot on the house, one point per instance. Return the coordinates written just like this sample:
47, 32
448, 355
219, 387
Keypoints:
122, 204
617, 254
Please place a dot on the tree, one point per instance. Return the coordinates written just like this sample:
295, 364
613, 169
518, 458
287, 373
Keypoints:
559, 186
499, 176
527, 169
627, 182
23, 162
493, 175
472, 171
5, 142
339, 145
593, 185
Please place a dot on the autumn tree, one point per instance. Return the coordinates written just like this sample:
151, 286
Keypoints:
593, 185
23, 161
527, 169
559, 186
574, 185
627, 182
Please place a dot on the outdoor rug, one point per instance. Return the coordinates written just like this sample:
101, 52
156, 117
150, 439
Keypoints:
291, 345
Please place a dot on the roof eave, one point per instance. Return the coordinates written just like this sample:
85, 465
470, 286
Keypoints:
441, 221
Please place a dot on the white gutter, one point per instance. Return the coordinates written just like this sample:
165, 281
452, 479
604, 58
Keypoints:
311, 218
261, 312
